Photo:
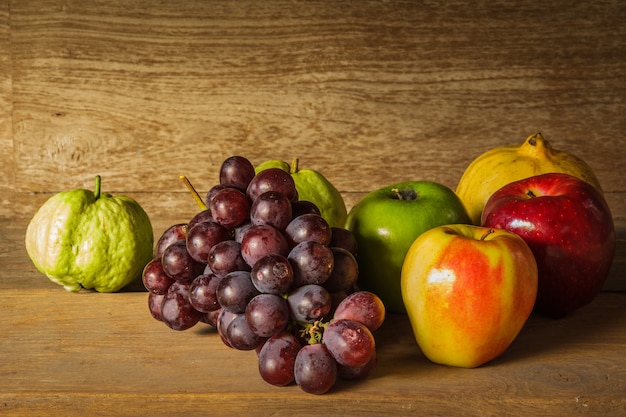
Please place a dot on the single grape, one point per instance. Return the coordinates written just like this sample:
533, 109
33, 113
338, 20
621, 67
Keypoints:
267, 314
308, 227
236, 171
154, 277
154, 305
271, 208
343, 238
277, 359
315, 369
172, 234
202, 293
235, 290
179, 264
211, 193
225, 257
210, 318
200, 217
272, 179
345, 271
301, 207
312, 263
176, 309
230, 207
261, 240
357, 372
350, 342
202, 237
309, 303
240, 336
240, 230
364, 307
272, 274
224, 318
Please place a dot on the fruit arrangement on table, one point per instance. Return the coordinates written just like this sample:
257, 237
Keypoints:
276, 264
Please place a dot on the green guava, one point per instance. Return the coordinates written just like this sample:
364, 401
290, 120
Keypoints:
314, 187
83, 239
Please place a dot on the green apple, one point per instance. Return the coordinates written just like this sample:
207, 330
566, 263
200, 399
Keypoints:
314, 187
92, 240
468, 291
387, 221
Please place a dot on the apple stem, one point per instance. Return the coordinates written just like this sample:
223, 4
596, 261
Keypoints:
194, 193
96, 191
487, 233
294, 166
530, 194
406, 194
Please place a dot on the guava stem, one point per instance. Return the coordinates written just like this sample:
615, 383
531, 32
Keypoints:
487, 233
96, 191
194, 193
294, 166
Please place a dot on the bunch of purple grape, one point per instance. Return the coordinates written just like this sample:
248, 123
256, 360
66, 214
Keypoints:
270, 274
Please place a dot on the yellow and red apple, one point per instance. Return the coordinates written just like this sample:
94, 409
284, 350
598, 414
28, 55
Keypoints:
468, 291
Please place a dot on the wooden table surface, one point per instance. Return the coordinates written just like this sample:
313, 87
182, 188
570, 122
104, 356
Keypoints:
367, 92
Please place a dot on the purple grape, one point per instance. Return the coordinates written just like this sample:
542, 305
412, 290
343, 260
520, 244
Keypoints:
200, 217
225, 257
308, 227
271, 208
240, 336
272, 179
154, 305
211, 193
179, 264
224, 318
343, 238
277, 359
267, 314
235, 290
364, 307
210, 318
315, 370
236, 171
202, 237
172, 234
272, 274
202, 293
230, 207
350, 342
154, 277
176, 309
300, 207
261, 240
309, 303
345, 271
312, 263
357, 372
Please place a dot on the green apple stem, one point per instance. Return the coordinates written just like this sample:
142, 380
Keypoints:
405, 194
293, 169
194, 193
487, 233
96, 191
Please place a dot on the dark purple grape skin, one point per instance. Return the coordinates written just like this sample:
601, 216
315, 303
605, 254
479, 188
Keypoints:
309, 303
178, 264
240, 336
350, 342
237, 172
272, 179
308, 227
357, 372
230, 207
211, 193
225, 257
315, 370
202, 237
154, 277
312, 263
224, 318
202, 293
364, 307
201, 216
235, 290
261, 240
300, 207
345, 271
176, 309
172, 234
271, 208
343, 238
154, 305
267, 314
277, 358
272, 274
211, 317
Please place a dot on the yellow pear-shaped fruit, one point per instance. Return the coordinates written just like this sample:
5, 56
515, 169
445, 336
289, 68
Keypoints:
500, 166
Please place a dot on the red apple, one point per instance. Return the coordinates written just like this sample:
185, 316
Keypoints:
569, 228
468, 291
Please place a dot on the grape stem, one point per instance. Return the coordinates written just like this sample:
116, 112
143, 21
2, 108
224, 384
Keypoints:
194, 193
314, 332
